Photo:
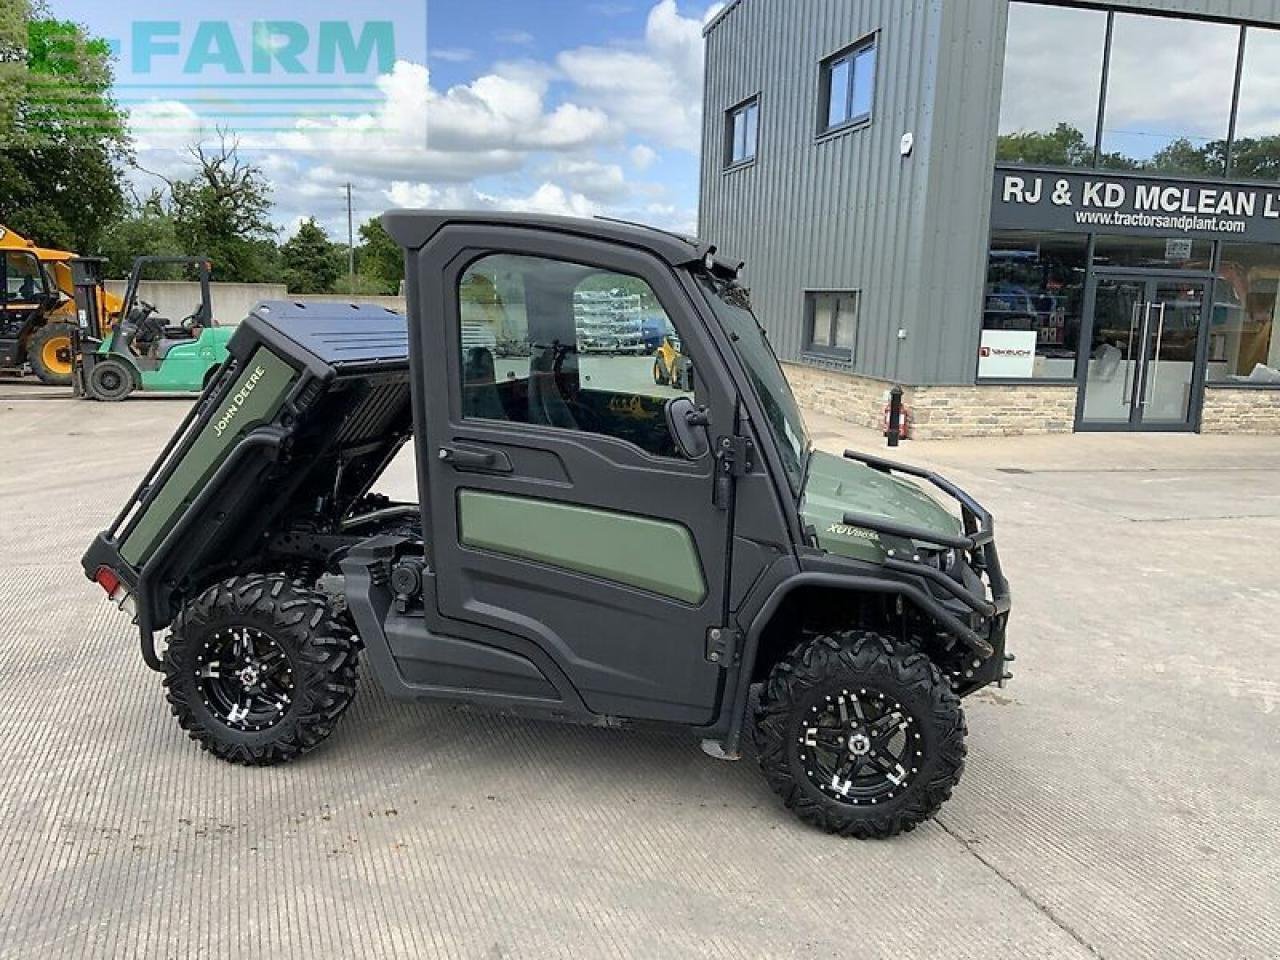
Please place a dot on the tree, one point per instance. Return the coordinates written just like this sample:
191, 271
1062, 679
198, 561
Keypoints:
62, 137
147, 230
1257, 158
1182, 156
222, 212
1065, 146
310, 260
1251, 158
379, 259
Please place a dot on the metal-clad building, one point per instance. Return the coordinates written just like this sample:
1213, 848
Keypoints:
857, 154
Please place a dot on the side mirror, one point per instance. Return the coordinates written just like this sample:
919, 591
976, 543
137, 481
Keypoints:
688, 425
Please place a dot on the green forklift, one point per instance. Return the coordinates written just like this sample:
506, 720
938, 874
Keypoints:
145, 350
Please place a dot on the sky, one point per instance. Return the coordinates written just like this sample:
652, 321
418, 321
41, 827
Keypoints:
579, 107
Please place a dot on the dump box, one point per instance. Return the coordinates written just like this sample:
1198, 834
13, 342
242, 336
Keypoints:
310, 406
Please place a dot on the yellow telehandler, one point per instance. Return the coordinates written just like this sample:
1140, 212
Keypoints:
38, 310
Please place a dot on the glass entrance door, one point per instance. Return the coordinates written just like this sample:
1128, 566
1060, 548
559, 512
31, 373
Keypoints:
1140, 371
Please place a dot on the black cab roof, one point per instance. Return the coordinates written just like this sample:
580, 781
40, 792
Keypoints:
413, 228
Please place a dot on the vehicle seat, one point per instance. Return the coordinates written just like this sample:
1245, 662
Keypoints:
479, 386
546, 405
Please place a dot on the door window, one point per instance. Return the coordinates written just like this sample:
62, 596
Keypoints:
571, 347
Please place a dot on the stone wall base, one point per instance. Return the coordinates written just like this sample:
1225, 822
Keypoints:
939, 412
1241, 411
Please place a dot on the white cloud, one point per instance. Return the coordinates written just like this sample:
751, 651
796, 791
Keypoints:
451, 54
642, 156
516, 38
484, 127
547, 198
654, 90
600, 181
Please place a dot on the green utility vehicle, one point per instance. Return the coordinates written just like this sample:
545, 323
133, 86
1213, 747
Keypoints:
586, 544
146, 351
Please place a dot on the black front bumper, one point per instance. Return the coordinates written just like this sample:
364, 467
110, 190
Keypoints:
976, 609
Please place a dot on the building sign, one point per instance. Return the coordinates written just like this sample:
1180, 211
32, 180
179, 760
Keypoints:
1007, 354
1101, 203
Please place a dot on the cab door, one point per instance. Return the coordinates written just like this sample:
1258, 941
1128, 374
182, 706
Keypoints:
561, 510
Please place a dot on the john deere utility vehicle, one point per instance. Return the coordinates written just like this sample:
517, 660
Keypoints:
37, 312
147, 351
584, 546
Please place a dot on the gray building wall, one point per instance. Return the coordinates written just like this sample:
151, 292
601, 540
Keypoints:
850, 212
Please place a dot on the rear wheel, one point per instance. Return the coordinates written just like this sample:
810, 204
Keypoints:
659, 372
110, 379
860, 734
258, 670
49, 353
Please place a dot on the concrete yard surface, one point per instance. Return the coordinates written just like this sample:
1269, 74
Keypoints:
1119, 800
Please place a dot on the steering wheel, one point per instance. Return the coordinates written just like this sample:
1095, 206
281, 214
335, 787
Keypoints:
141, 309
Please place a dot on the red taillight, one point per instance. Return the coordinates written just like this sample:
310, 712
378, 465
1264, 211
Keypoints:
107, 579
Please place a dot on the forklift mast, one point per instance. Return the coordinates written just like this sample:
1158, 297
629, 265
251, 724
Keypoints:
87, 276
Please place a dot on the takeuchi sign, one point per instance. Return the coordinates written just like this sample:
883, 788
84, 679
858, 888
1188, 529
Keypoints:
1088, 203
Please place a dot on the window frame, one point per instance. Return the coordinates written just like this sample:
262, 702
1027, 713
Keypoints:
870, 43
741, 108
829, 351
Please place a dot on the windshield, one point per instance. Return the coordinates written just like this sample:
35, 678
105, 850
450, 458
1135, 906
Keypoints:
732, 307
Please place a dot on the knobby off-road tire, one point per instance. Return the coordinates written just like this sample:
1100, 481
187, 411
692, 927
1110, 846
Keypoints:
49, 353
860, 734
258, 670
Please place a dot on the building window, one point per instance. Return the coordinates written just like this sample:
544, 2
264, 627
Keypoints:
848, 86
1255, 151
1162, 113
1059, 49
1033, 304
569, 346
742, 131
1244, 344
831, 324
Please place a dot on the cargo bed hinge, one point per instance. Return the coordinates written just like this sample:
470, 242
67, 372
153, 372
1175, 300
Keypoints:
734, 458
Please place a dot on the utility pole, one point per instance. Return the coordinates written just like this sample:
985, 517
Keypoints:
351, 247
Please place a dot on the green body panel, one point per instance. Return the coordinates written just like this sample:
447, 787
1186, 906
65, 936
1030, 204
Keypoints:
253, 400
185, 366
836, 485
655, 555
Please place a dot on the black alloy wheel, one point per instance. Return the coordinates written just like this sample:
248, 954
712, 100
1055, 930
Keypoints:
245, 678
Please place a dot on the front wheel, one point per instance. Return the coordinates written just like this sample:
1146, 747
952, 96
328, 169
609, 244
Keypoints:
860, 734
111, 379
258, 670
49, 354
